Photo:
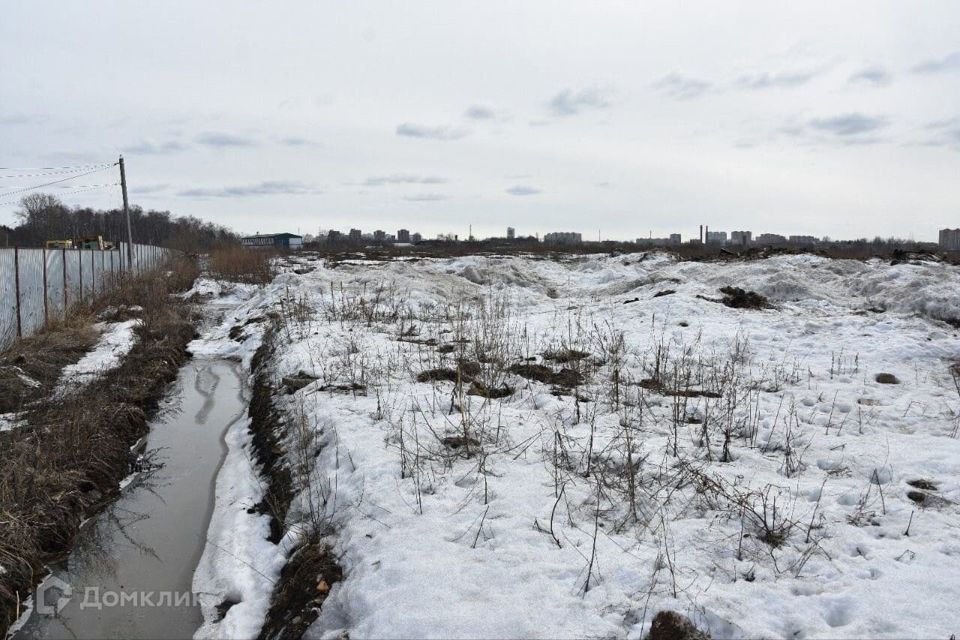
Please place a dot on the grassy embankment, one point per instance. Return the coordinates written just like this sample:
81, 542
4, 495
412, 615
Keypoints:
67, 459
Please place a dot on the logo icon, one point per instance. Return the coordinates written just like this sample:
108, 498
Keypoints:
53, 595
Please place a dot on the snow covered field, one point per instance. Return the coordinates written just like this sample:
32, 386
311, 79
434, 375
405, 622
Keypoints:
512, 446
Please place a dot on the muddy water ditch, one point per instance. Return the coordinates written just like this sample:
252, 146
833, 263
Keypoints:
129, 575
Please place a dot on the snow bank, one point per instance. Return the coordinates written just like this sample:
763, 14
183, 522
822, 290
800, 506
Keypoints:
435, 543
9, 421
239, 566
116, 341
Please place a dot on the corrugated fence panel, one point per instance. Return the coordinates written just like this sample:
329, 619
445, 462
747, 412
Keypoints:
31, 290
86, 275
55, 283
71, 276
8, 299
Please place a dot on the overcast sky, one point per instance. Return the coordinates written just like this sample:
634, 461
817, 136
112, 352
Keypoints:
618, 118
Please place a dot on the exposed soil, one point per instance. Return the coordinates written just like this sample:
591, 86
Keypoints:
306, 579
566, 355
456, 442
266, 430
480, 389
297, 382
670, 625
427, 342
304, 584
738, 298
659, 387
465, 372
566, 378
887, 378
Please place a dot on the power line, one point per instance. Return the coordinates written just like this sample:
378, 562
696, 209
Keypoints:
50, 172
47, 184
78, 186
78, 167
89, 188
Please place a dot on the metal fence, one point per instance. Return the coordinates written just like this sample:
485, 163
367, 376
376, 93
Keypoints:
39, 285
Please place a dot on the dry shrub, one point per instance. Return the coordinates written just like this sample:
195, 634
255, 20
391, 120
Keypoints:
31, 366
238, 264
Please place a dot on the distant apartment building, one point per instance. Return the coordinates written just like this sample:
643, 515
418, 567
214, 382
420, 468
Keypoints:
741, 238
511, 233
803, 240
674, 239
356, 235
562, 238
379, 235
716, 237
415, 238
771, 238
950, 239
403, 236
334, 236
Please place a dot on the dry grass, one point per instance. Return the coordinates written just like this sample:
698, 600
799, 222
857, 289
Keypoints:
70, 456
242, 265
31, 366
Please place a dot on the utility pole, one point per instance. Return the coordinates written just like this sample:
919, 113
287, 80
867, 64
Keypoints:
126, 212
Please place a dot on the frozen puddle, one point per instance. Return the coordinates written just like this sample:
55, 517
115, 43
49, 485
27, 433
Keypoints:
131, 570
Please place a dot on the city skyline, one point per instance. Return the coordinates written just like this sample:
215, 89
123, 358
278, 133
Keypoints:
704, 235
634, 119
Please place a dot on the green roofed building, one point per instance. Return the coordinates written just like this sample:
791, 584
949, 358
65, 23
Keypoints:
273, 241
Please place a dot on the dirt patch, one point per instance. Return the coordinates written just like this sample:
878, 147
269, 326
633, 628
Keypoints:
266, 428
886, 378
346, 387
738, 298
466, 371
566, 378
670, 625
427, 342
457, 442
659, 387
566, 355
480, 389
922, 484
303, 586
665, 292
224, 607
238, 333
297, 382
437, 375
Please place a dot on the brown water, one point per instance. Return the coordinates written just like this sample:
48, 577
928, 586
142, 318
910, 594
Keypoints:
148, 543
